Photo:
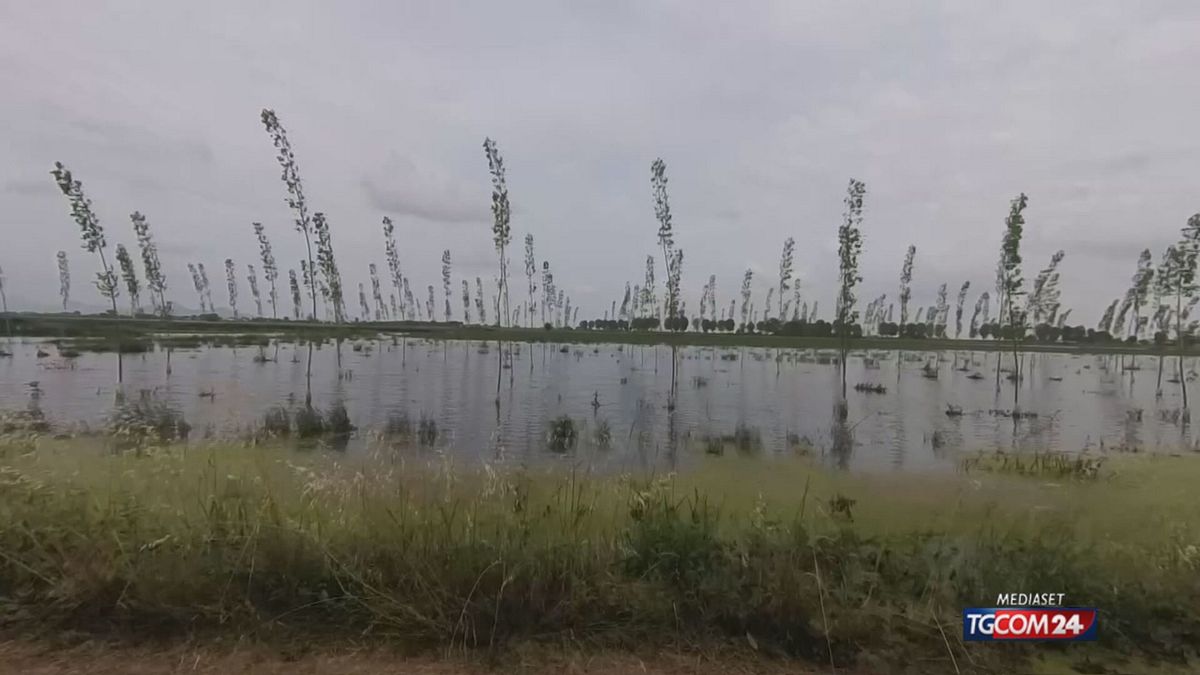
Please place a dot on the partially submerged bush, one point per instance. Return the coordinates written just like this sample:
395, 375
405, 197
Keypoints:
147, 420
562, 434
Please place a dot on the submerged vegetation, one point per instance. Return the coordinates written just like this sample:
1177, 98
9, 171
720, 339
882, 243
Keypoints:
842, 570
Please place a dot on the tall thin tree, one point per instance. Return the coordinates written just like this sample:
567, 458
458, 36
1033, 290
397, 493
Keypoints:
785, 275
270, 270
327, 263
295, 189
90, 230
231, 285
1012, 285
64, 278
156, 281
294, 286
446, 282
129, 276
850, 243
252, 278
393, 262
530, 277
906, 274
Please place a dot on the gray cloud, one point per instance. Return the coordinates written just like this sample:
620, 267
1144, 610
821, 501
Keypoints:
402, 188
946, 109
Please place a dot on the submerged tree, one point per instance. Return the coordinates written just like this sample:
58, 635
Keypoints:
906, 273
270, 270
252, 278
129, 276
430, 303
90, 230
295, 189
231, 284
294, 285
446, 281
156, 282
64, 278
849, 249
1011, 285
501, 233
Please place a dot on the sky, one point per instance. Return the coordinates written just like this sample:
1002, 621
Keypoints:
762, 111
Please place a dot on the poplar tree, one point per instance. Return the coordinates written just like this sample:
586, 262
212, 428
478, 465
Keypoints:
850, 245
156, 281
906, 273
231, 284
294, 285
90, 230
252, 278
466, 300
501, 232
530, 277
295, 189
129, 276
198, 284
393, 261
785, 275
270, 270
446, 281
64, 278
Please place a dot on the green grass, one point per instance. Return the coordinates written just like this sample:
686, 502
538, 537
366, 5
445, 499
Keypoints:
870, 571
193, 332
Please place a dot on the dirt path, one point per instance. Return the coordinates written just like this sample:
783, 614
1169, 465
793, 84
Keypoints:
39, 659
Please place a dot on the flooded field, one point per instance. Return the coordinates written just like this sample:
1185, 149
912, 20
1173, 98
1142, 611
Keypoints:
915, 410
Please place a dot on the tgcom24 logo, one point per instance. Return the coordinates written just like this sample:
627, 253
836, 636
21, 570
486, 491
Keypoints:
1030, 616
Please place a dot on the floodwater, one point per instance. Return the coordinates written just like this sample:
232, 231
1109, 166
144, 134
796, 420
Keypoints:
781, 399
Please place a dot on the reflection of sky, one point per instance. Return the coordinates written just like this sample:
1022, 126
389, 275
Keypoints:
791, 394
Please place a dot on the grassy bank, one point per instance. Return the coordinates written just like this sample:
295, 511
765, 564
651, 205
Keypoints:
779, 558
107, 333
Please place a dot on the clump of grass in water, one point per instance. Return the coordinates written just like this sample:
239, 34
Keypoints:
603, 433
562, 434
277, 422
427, 430
312, 422
147, 420
1041, 465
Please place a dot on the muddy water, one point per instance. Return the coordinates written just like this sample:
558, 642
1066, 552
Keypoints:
780, 399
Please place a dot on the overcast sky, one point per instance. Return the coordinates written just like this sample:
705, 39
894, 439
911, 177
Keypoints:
761, 110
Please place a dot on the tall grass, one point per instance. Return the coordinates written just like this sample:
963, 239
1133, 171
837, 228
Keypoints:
251, 540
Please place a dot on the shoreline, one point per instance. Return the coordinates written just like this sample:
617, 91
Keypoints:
100, 327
